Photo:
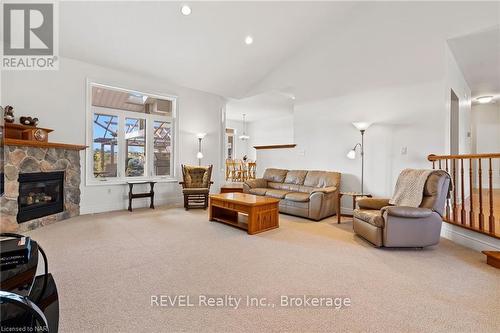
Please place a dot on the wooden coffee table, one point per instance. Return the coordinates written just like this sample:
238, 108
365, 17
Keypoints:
252, 213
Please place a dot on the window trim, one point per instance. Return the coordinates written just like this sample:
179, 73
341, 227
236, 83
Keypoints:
122, 114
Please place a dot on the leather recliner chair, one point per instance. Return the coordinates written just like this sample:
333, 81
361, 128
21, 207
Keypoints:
398, 226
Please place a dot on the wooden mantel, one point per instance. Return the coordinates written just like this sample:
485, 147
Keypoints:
31, 143
276, 146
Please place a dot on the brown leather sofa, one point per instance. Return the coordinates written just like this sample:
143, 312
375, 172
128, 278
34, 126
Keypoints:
398, 226
309, 194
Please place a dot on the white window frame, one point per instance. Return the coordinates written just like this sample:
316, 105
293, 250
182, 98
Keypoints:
121, 115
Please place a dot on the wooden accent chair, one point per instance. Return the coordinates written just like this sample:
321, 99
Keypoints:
252, 168
196, 185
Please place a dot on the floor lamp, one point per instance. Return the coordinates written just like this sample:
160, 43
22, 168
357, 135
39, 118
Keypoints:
199, 155
362, 127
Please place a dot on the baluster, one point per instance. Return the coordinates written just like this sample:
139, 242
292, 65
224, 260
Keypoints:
439, 163
447, 208
433, 164
455, 184
471, 195
492, 218
462, 188
481, 215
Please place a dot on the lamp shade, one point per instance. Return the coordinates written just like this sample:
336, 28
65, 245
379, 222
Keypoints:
201, 135
351, 154
199, 155
361, 125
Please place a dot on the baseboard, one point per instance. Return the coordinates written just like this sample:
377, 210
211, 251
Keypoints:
470, 239
123, 205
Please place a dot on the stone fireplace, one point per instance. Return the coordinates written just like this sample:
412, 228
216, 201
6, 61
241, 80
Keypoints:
41, 186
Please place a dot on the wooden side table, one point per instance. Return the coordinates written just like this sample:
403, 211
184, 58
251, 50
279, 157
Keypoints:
231, 188
354, 195
150, 194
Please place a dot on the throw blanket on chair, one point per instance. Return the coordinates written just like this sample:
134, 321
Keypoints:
410, 187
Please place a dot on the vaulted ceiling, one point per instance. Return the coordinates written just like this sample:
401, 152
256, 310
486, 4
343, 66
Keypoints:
478, 55
308, 49
204, 50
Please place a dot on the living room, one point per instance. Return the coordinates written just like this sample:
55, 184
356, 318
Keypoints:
322, 102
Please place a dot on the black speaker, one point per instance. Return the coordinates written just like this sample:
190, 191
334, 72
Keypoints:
28, 302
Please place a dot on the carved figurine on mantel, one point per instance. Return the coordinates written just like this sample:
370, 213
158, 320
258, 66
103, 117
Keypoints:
28, 121
8, 114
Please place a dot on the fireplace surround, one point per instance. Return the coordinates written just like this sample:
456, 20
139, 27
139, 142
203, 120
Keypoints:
25, 167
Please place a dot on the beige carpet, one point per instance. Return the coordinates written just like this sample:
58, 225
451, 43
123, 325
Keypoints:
107, 266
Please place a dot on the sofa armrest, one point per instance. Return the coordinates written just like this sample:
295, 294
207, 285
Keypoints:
407, 212
326, 190
372, 203
255, 183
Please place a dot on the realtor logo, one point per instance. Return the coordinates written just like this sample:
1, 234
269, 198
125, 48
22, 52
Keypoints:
29, 36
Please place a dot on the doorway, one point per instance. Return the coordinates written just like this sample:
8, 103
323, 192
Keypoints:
454, 123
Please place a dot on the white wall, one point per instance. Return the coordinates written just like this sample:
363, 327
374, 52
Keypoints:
397, 74
240, 146
58, 99
265, 131
270, 131
455, 80
402, 118
486, 137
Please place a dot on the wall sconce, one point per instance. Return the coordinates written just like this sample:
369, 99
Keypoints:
199, 155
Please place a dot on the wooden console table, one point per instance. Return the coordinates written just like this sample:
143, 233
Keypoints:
150, 194
262, 212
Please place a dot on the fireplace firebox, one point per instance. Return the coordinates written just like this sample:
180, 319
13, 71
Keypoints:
40, 194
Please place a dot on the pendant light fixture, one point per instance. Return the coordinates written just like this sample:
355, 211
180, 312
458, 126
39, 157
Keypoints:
244, 136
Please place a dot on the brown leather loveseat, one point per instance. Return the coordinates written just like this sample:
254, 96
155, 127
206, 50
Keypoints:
309, 194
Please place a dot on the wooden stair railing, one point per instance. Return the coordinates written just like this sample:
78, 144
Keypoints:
471, 210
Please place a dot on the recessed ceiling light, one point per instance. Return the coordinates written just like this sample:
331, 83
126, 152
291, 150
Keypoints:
248, 40
484, 99
185, 10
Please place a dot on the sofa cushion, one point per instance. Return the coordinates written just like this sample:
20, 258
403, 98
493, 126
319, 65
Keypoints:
275, 175
297, 196
295, 177
372, 216
258, 191
283, 186
306, 189
322, 178
274, 185
278, 194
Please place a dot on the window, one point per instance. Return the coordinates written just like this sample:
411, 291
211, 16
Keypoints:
162, 145
130, 135
105, 145
135, 141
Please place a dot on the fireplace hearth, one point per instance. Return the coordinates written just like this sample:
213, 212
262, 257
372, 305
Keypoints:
40, 194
